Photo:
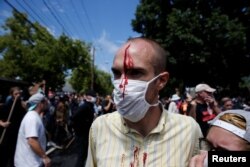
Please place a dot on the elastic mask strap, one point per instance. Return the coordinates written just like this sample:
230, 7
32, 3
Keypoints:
156, 104
152, 80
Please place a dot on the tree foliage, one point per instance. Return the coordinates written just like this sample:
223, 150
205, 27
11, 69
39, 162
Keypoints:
103, 84
31, 53
207, 40
81, 82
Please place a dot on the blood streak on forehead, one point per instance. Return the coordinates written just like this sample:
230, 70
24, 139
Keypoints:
127, 64
127, 61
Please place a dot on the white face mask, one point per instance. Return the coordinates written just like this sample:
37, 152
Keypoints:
131, 102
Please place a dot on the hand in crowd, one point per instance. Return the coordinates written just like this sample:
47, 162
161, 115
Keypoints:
109, 98
111, 101
210, 100
4, 124
199, 160
46, 161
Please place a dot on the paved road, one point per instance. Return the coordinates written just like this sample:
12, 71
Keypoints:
65, 157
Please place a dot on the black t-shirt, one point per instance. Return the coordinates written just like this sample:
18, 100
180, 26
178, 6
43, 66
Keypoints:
15, 119
104, 104
83, 118
203, 116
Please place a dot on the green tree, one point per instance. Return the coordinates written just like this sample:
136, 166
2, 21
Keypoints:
81, 83
207, 40
80, 79
31, 53
102, 82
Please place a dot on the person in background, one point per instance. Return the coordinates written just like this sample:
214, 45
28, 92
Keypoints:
204, 107
141, 132
8, 145
174, 104
4, 124
31, 143
229, 131
107, 105
246, 105
98, 106
166, 101
226, 104
185, 103
61, 120
81, 122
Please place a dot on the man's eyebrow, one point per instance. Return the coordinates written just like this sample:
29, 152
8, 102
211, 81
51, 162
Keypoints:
136, 69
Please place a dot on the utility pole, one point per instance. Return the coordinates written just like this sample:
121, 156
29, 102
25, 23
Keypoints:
92, 68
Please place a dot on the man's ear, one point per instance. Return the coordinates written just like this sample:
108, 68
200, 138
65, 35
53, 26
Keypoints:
163, 79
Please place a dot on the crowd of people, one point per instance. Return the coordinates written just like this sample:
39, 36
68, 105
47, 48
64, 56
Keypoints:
131, 126
47, 121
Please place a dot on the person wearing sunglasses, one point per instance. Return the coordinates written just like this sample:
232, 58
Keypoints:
229, 131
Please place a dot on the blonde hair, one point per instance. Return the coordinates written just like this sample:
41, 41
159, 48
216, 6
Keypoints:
238, 121
234, 119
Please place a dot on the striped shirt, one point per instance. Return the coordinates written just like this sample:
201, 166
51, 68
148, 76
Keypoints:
170, 144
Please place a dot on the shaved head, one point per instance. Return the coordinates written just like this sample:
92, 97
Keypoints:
149, 49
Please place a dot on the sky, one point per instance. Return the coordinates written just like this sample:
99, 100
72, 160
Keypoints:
104, 23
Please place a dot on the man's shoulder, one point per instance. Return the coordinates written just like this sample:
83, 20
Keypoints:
184, 122
114, 116
180, 118
31, 115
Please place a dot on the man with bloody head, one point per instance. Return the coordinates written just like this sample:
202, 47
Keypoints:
140, 132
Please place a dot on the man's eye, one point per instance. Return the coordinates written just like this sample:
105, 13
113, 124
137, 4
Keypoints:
116, 74
134, 74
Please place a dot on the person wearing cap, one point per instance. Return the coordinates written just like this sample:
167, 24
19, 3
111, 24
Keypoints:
81, 121
229, 131
174, 104
31, 142
204, 107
